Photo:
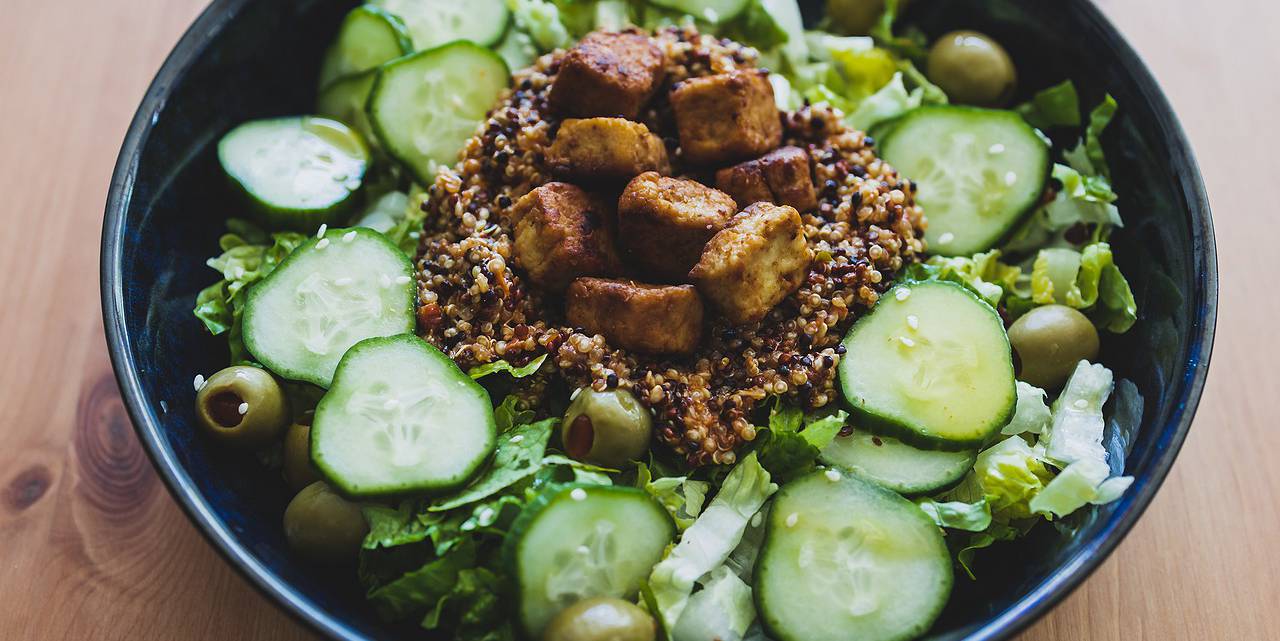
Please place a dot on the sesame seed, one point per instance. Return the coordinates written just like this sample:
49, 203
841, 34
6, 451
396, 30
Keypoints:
517, 438
1010, 178
243, 409
946, 237
902, 294
403, 280
574, 394
792, 519
913, 322
997, 148
343, 282
578, 494
349, 236
324, 242
199, 382
832, 475
324, 227
1080, 403
906, 341
164, 406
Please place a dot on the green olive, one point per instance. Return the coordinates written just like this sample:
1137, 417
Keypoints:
972, 68
323, 526
298, 469
601, 619
242, 405
1050, 341
857, 17
606, 428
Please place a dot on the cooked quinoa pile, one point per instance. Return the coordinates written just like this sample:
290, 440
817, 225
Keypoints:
475, 304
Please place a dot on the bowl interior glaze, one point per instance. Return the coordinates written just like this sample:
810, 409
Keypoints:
244, 60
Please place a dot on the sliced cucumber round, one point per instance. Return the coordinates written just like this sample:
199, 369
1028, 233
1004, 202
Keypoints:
297, 172
713, 11
930, 364
846, 559
401, 417
889, 462
580, 541
979, 172
434, 22
425, 107
368, 37
328, 295
344, 100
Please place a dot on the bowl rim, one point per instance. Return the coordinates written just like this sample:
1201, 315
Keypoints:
1021, 614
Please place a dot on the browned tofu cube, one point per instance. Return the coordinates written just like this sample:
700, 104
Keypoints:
606, 148
752, 264
663, 223
658, 319
608, 74
562, 232
781, 177
727, 117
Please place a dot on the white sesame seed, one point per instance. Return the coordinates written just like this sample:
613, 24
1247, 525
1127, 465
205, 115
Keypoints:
792, 519
1010, 178
243, 409
578, 494
342, 282
906, 341
414, 234
574, 394
324, 242
485, 514
997, 148
946, 237
323, 228
913, 321
902, 293
403, 280
832, 475
517, 438
349, 236
199, 382
164, 407
1081, 403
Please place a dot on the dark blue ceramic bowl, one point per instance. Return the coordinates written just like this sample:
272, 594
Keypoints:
244, 59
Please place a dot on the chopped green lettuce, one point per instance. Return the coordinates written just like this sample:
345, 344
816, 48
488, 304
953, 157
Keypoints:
957, 515
518, 457
1030, 415
982, 273
1010, 473
680, 495
1078, 484
912, 44
721, 610
541, 20
1088, 157
1057, 106
710, 540
1076, 432
791, 444
887, 103
413, 593
501, 365
1087, 280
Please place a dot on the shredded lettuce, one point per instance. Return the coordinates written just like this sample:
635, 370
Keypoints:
887, 103
413, 593
982, 273
680, 495
501, 365
519, 456
1081, 483
1057, 106
1010, 473
541, 20
1031, 415
958, 515
1088, 280
721, 610
791, 444
710, 540
1088, 157
1076, 432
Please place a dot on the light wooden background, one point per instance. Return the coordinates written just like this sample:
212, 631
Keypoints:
92, 546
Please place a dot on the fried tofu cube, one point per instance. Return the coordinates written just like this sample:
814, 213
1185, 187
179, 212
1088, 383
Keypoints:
781, 177
657, 319
753, 263
562, 232
663, 223
606, 148
727, 117
608, 74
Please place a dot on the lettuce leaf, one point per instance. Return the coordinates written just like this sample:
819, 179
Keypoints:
912, 44
1057, 106
710, 540
887, 103
982, 273
1088, 280
1088, 157
1081, 483
519, 456
791, 444
1031, 415
1076, 432
413, 593
721, 610
681, 496
501, 365
1010, 473
475, 608
541, 20
957, 515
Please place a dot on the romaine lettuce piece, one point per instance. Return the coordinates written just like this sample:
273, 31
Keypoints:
957, 515
1010, 474
1057, 106
721, 610
1031, 415
1076, 432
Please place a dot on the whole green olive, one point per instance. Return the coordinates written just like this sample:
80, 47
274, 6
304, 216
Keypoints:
242, 405
323, 526
299, 472
972, 68
1050, 341
606, 428
601, 619
855, 17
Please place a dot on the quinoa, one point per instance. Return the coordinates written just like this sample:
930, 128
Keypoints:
477, 308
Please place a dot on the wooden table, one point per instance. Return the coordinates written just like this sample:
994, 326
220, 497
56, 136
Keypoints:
92, 546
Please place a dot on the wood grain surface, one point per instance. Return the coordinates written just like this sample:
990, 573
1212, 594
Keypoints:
93, 547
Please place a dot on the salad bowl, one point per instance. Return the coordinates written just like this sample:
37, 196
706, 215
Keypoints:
244, 60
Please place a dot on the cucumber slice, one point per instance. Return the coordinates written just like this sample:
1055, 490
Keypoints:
579, 541
329, 294
432, 23
979, 171
713, 11
425, 107
368, 37
846, 559
297, 172
401, 417
345, 99
930, 364
893, 464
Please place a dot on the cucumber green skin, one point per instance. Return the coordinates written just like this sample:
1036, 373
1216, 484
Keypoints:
275, 217
939, 484
384, 136
491, 38
255, 290
317, 430
550, 496
395, 27
776, 524
885, 132
912, 434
